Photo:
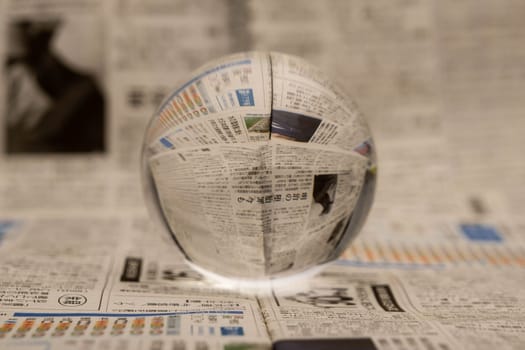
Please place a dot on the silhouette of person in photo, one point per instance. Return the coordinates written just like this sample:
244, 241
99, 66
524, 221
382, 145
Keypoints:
323, 194
52, 107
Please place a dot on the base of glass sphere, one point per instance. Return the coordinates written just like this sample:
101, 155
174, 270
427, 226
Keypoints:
287, 284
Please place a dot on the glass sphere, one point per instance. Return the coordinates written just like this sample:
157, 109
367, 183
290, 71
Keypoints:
258, 167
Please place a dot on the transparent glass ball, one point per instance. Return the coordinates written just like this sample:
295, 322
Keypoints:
258, 167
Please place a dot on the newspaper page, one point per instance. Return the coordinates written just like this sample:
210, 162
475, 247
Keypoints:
416, 309
122, 70
70, 289
439, 264
53, 101
406, 293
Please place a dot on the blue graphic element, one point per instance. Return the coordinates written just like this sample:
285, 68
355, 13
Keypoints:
245, 97
166, 143
232, 331
5, 225
478, 232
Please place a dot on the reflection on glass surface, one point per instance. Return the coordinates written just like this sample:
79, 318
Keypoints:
259, 167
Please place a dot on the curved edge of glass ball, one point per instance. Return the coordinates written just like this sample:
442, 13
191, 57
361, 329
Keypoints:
204, 243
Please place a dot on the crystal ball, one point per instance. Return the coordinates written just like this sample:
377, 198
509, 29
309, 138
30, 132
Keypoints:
258, 167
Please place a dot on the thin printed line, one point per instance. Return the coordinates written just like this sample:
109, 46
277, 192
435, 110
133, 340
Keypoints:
93, 314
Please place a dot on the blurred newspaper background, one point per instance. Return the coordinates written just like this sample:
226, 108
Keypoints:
440, 262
